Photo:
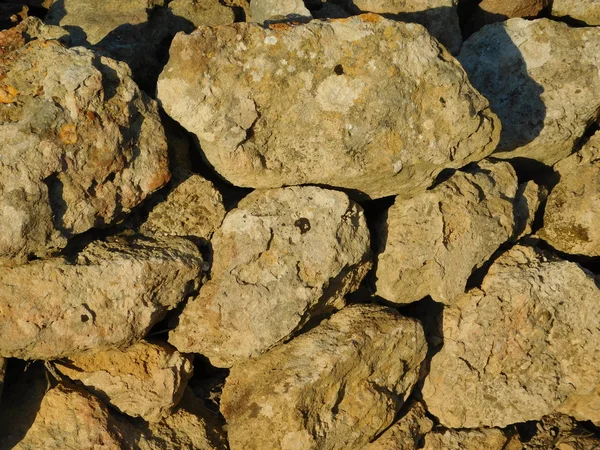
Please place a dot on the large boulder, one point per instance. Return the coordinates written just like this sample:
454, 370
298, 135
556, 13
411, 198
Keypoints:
572, 211
110, 296
363, 103
587, 11
337, 386
281, 258
81, 145
541, 78
524, 345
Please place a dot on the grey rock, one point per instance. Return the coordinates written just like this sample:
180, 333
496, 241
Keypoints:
264, 10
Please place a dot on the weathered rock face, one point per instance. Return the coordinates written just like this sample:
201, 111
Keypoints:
573, 208
587, 11
203, 13
145, 380
485, 438
193, 208
563, 433
491, 11
337, 386
434, 241
80, 146
110, 297
438, 16
311, 104
406, 434
530, 197
541, 78
281, 258
519, 347
262, 10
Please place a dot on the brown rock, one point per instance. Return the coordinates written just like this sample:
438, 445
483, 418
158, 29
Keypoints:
491, 11
337, 386
484, 438
407, 433
587, 11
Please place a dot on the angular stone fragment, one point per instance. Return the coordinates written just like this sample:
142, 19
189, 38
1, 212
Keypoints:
337, 386
202, 13
433, 242
520, 347
281, 258
193, 208
406, 434
572, 212
587, 11
485, 438
288, 105
541, 78
263, 10
561, 432
109, 297
81, 146
438, 16
145, 380
529, 199
491, 11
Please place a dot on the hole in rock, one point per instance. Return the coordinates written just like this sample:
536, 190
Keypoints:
339, 69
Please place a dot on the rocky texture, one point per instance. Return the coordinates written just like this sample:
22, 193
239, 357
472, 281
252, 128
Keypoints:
541, 78
587, 11
485, 438
145, 380
318, 90
192, 208
434, 241
11, 14
110, 296
573, 209
81, 146
337, 386
28, 30
519, 347
264, 10
562, 433
530, 197
281, 258
491, 11
438, 16
406, 434
202, 13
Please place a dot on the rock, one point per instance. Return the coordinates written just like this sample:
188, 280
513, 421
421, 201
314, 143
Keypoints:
337, 386
438, 16
145, 380
484, 438
69, 418
587, 11
541, 78
11, 14
3, 363
192, 208
264, 10
202, 13
262, 96
434, 241
562, 433
81, 146
573, 208
492, 11
529, 199
406, 433
109, 297
520, 347
281, 258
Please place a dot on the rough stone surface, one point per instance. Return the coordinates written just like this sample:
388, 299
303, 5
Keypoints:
145, 380
541, 78
281, 257
561, 432
519, 347
362, 103
529, 199
337, 386
192, 208
438, 16
572, 212
434, 241
109, 297
587, 11
81, 146
202, 13
491, 11
263, 10
406, 433
485, 438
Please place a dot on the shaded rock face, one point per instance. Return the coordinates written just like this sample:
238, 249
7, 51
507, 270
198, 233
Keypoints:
485, 438
587, 11
541, 78
344, 103
519, 347
434, 241
81, 146
573, 209
492, 11
264, 10
145, 380
336, 386
282, 258
109, 297
438, 16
